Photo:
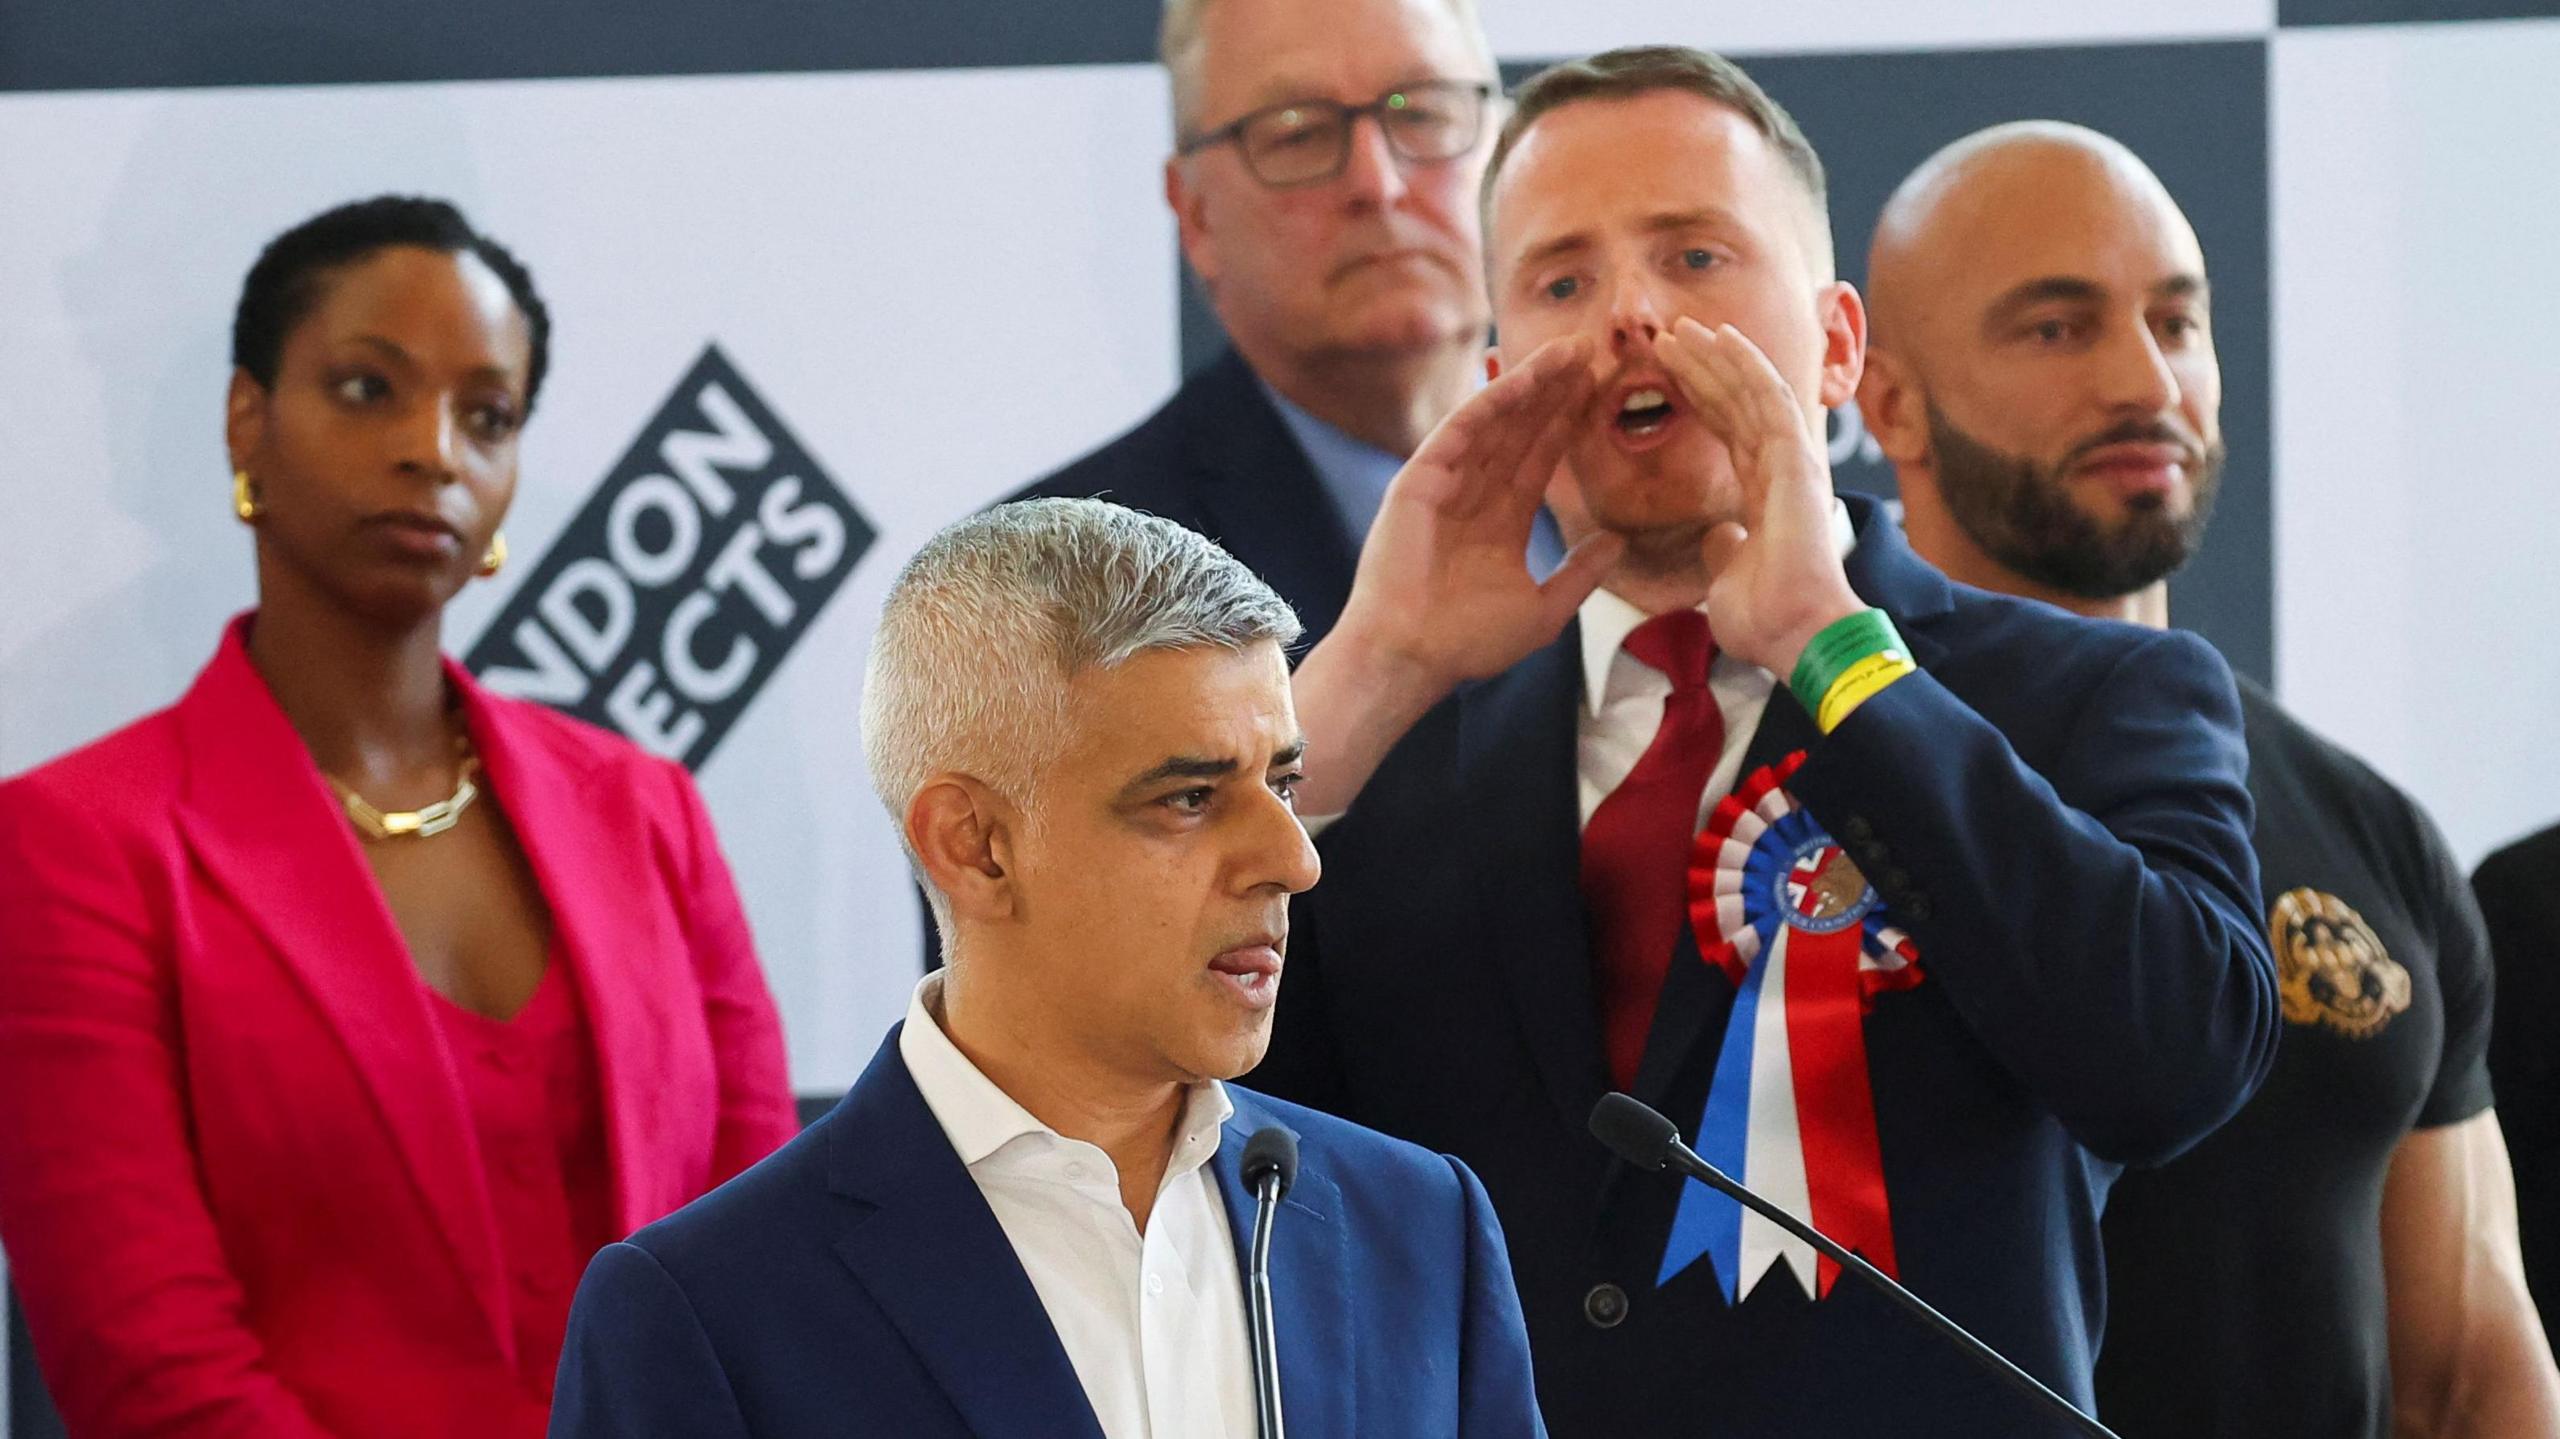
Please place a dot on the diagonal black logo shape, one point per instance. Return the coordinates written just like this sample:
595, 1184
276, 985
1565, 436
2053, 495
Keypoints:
674, 595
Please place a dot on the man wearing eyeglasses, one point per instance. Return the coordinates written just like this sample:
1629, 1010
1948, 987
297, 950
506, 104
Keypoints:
1324, 175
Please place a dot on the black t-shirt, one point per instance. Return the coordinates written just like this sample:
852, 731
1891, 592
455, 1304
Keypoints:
2519, 890
2245, 1289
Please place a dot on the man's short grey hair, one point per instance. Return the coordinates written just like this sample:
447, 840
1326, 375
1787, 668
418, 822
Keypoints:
1178, 41
989, 625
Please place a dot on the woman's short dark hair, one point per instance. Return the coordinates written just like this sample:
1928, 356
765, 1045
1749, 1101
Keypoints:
285, 283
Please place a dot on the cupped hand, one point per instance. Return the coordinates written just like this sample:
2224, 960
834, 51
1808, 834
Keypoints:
1443, 592
1774, 575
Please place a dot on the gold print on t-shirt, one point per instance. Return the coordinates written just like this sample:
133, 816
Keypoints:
2330, 968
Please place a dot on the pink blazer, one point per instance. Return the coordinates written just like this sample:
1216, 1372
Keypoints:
240, 1190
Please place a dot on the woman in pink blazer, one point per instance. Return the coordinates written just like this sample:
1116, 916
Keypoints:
345, 1007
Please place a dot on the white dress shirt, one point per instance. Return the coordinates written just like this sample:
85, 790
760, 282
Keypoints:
1154, 1324
1623, 697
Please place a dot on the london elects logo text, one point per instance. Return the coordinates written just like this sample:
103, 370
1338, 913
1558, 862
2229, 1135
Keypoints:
673, 596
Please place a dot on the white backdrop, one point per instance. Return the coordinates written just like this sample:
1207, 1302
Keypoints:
2417, 514
1536, 28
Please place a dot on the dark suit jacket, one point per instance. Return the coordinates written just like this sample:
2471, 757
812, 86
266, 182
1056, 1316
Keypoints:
1219, 459
2055, 811
857, 1283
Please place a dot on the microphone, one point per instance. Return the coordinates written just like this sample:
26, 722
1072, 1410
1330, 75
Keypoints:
1270, 1167
1638, 1134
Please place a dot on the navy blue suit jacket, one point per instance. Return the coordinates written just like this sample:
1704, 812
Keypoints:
1217, 458
2054, 809
856, 1283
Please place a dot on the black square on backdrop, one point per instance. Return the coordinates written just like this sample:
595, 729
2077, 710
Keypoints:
80, 45
2385, 12
622, 617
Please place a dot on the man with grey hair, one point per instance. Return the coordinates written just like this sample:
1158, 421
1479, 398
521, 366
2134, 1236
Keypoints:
1029, 1217
1326, 155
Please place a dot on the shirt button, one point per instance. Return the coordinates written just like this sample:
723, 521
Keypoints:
1155, 1284
1605, 1306
1075, 1171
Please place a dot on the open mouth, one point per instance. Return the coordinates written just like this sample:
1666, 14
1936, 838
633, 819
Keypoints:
1644, 411
1252, 972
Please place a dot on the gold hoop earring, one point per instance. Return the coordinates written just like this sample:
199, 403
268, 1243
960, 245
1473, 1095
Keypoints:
244, 503
496, 559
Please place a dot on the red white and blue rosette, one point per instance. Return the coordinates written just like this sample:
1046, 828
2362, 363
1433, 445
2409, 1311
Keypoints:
1784, 913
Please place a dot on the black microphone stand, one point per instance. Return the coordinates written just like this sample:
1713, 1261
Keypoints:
1270, 1167
1641, 1136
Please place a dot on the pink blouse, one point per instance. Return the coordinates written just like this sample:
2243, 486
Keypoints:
537, 1109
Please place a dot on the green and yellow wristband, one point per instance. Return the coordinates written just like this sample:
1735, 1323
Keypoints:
1850, 662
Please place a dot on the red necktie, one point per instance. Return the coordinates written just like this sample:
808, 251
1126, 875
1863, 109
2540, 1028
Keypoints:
1635, 850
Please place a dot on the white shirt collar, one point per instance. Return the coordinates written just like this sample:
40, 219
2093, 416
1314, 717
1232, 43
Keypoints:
1606, 620
979, 1118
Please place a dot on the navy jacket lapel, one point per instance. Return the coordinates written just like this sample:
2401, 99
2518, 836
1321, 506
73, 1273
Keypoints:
1312, 1313
927, 1248
1262, 498
1521, 822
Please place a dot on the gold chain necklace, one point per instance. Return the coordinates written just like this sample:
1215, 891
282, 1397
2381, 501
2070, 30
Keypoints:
416, 823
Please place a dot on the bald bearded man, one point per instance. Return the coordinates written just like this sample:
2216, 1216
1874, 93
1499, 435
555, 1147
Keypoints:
2341, 1259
